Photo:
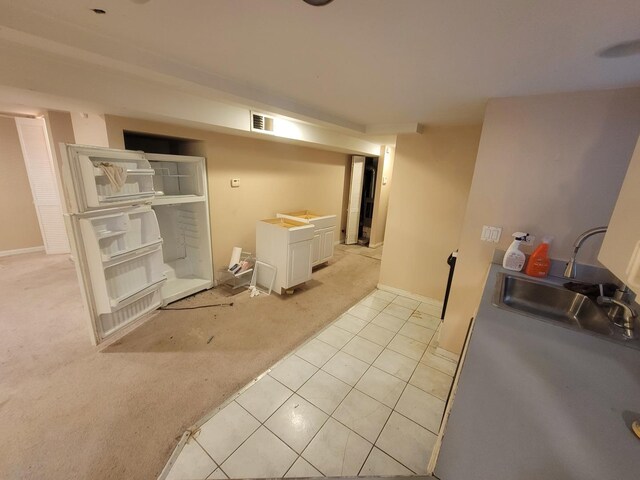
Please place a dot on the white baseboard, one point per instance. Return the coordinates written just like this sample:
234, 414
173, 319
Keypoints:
376, 245
20, 251
415, 296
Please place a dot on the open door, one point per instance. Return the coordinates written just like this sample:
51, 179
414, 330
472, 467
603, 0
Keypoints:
355, 197
115, 237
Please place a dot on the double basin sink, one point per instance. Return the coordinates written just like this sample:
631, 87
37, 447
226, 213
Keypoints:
556, 303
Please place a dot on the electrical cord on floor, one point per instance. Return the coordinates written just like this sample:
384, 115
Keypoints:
200, 306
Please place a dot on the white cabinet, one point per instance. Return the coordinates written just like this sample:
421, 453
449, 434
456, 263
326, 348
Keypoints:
620, 251
323, 235
287, 245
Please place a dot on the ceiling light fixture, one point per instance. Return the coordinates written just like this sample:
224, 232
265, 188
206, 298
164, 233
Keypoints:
98, 11
622, 49
318, 3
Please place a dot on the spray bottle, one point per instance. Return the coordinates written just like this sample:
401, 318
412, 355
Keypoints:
539, 262
514, 258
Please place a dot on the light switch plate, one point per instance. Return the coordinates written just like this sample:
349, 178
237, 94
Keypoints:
235, 182
491, 234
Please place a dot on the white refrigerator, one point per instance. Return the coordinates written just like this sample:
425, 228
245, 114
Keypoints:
139, 243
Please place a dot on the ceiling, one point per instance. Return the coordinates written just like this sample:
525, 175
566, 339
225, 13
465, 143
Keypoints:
367, 65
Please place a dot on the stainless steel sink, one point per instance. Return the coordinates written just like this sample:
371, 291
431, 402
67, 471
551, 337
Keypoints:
552, 302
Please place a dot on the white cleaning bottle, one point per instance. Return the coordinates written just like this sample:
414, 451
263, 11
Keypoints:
514, 258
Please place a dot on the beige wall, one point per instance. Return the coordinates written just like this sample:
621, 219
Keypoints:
60, 129
431, 179
89, 129
18, 218
274, 177
549, 165
381, 201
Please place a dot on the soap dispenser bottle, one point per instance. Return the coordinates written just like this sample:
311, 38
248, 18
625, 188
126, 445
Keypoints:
514, 258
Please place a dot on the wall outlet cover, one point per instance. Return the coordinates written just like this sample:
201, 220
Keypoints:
235, 182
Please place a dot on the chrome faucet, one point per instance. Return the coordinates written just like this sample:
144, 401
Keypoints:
618, 303
570, 270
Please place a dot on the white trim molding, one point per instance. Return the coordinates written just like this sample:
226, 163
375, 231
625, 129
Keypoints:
20, 251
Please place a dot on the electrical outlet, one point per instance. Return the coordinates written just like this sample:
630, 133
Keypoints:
235, 182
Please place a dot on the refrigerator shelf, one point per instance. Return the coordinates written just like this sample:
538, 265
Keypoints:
131, 297
129, 312
109, 233
131, 252
130, 171
150, 250
175, 199
166, 172
124, 196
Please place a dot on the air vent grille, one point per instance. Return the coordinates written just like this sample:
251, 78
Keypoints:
261, 123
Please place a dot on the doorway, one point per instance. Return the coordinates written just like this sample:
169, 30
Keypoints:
362, 197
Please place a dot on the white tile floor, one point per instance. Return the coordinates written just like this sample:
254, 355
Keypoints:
364, 397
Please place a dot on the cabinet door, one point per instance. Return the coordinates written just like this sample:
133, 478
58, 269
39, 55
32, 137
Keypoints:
327, 244
299, 264
620, 250
316, 248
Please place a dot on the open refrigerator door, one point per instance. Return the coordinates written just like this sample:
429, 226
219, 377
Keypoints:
115, 236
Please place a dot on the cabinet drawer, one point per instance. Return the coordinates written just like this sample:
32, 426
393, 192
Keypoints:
300, 234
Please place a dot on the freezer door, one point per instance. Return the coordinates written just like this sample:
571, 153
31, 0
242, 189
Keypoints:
120, 266
96, 178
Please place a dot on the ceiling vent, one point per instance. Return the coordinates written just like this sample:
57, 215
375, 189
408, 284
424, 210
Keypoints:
261, 123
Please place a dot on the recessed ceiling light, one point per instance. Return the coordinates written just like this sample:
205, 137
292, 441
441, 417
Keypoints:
98, 11
318, 3
622, 49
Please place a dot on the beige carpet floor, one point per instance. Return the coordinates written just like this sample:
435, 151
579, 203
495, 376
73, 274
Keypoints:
70, 410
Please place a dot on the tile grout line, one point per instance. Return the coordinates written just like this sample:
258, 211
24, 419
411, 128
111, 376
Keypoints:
244, 441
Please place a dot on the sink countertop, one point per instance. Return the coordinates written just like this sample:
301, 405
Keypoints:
538, 400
